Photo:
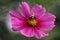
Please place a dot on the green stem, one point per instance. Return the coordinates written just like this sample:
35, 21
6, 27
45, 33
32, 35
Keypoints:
29, 38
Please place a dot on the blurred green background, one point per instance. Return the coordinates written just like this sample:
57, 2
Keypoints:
52, 6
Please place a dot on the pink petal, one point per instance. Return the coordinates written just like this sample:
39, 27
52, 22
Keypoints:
17, 24
47, 26
24, 8
48, 17
47, 22
39, 34
28, 32
16, 20
16, 14
38, 10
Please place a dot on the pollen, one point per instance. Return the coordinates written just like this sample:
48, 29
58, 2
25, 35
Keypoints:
32, 21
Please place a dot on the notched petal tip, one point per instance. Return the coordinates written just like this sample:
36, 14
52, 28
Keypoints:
38, 10
40, 7
28, 32
24, 9
40, 34
22, 3
12, 12
13, 29
16, 28
52, 15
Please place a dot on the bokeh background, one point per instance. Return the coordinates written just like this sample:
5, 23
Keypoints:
52, 6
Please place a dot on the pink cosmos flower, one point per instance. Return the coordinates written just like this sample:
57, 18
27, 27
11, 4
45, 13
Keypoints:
34, 23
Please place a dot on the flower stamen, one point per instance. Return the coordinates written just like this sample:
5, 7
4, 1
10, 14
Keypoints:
32, 21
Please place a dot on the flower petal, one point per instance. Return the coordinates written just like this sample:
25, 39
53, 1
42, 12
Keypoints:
17, 24
47, 27
48, 17
39, 34
24, 8
16, 20
14, 13
47, 22
38, 10
28, 32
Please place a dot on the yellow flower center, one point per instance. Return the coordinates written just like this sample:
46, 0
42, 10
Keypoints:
32, 21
